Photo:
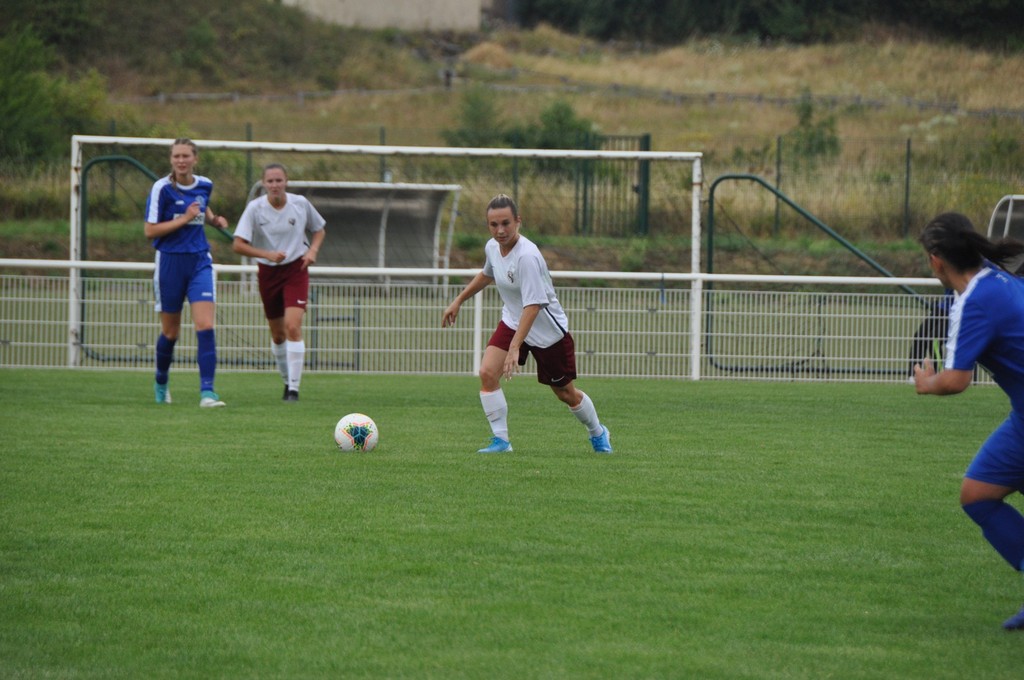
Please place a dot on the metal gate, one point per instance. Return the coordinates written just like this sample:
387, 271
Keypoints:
612, 196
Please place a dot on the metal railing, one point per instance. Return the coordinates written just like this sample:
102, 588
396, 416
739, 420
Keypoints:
376, 320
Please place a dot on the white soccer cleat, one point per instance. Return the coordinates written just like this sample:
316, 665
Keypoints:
210, 399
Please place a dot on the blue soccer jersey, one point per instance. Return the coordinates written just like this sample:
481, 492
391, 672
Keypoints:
986, 326
168, 201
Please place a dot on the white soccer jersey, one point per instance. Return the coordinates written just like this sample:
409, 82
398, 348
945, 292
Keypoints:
522, 278
268, 228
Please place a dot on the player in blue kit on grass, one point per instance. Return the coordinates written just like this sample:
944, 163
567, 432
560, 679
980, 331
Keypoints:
177, 209
532, 322
986, 326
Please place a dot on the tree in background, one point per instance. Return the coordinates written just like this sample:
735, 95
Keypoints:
39, 112
994, 23
558, 127
67, 26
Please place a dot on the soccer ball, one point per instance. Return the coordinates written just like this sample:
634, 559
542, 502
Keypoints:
356, 432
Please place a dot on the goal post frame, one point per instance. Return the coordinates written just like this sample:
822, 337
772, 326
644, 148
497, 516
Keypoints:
78, 142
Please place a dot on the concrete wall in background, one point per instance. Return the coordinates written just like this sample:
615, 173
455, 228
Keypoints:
412, 15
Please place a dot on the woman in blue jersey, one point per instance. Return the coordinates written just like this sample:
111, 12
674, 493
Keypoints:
532, 322
177, 209
986, 326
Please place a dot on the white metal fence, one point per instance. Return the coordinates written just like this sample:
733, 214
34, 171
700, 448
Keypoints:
99, 315
693, 326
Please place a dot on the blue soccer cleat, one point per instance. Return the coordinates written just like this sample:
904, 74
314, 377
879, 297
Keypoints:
1015, 622
209, 399
602, 443
162, 392
497, 445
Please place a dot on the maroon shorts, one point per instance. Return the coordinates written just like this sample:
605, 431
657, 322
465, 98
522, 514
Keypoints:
556, 365
283, 286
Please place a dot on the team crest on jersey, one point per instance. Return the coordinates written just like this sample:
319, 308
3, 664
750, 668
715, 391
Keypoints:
291, 221
511, 274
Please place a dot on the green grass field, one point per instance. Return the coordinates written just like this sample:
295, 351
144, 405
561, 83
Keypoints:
741, 530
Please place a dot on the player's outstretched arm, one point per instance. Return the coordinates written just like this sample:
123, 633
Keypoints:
476, 284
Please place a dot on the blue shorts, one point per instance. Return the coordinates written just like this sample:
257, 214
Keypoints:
183, 275
1001, 458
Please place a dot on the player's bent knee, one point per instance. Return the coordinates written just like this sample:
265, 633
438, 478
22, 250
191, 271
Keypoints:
980, 511
568, 395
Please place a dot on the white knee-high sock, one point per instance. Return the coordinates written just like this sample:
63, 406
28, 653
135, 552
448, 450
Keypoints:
496, 410
296, 351
280, 353
587, 414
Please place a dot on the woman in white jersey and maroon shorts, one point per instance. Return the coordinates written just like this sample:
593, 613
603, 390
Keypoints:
532, 322
273, 230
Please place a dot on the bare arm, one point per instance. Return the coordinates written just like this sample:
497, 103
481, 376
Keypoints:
950, 381
216, 220
158, 229
243, 247
314, 248
477, 284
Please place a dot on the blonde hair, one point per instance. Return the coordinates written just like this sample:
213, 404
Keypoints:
182, 141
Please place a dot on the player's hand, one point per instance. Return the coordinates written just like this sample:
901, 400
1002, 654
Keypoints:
449, 315
277, 257
923, 372
192, 210
511, 365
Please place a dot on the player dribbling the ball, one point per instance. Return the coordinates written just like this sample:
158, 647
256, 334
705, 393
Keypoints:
532, 322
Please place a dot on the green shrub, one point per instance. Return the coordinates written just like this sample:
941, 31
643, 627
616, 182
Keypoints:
812, 140
480, 121
39, 111
559, 127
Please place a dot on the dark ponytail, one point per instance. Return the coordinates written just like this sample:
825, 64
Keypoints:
952, 237
503, 201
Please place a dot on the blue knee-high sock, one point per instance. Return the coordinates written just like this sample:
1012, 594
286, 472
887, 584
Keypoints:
1002, 526
206, 357
164, 357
